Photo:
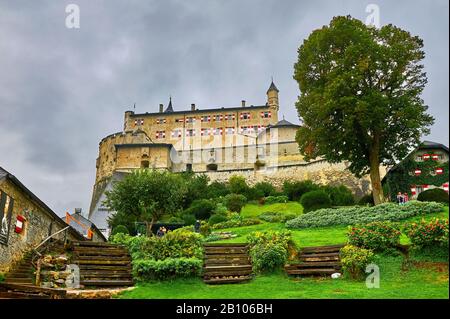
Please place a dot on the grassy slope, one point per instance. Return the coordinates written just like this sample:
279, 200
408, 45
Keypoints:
395, 283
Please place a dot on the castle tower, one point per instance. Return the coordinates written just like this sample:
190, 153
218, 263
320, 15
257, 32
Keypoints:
272, 100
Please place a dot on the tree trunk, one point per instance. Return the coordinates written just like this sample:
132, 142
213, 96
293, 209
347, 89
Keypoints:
150, 226
375, 179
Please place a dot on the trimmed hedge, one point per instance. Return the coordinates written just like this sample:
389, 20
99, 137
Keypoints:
235, 202
295, 190
217, 218
178, 243
433, 195
315, 200
363, 215
276, 217
276, 199
236, 223
169, 268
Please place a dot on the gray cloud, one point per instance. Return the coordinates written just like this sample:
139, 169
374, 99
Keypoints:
62, 90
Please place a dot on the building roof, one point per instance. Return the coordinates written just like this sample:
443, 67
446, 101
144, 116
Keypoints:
272, 87
6, 175
196, 111
88, 223
283, 123
429, 144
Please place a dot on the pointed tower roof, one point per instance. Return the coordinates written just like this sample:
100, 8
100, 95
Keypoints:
169, 108
272, 87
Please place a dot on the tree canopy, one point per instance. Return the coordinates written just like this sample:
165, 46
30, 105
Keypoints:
360, 96
144, 196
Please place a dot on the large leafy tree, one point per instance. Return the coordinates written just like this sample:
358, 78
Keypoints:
144, 196
361, 96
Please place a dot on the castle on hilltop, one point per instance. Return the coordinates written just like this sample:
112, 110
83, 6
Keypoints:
247, 140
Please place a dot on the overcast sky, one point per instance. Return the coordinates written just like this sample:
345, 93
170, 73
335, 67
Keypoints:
62, 90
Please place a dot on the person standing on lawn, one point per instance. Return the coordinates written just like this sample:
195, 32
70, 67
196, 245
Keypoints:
400, 198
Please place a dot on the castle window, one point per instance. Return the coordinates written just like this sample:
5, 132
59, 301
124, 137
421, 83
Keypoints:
246, 129
205, 118
229, 117
160, 134
190, 132
179, 120
218, 117
229, 130
218, 131
190, 119
160, 121
245, 116
205, 131
138, 122
266, 115
176, 133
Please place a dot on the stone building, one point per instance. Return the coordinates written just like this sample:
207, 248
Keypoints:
25, 221
247, 140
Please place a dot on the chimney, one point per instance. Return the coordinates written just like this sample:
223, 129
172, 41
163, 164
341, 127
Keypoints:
243, 103
161, 108
192, 107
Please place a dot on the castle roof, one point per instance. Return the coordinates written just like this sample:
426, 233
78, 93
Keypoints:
272, 87
169, 108
131, 145
197, 111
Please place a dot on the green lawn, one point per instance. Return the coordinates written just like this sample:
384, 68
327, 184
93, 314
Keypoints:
418, 283
422, 282
253, 210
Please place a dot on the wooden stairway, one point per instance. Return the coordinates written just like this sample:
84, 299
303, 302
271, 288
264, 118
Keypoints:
316, 261
20, 291
102, 264
226, 263
22, 273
